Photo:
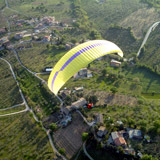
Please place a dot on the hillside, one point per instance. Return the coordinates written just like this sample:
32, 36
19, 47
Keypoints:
151, 55
22, 138
11, 95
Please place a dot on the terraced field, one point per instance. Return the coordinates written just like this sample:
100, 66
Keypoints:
70, 138
8, 89
22, 138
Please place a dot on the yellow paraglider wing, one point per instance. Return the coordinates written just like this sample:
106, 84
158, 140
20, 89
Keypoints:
78, 58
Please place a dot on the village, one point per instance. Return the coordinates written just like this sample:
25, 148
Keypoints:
121, 138
41, 31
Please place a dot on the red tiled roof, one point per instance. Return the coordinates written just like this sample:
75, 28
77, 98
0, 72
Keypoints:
120, 141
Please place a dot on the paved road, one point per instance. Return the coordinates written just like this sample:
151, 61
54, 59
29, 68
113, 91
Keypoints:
147, 36
85, 151
88, 123
3, 115
20, 91
33, 73
4, 109
47, 131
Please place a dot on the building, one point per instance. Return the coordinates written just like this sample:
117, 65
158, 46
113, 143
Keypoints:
129, 151
2, 30
18, 36
48, 20
84, 72
80, 103
101, 131
65, 121
99, 118
118, 139
135, 134
4, 41
115, 63
67, 110
46, 38
48, 69
114, 135
68, 46
79, 88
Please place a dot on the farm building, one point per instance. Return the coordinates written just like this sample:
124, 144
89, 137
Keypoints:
46, 38
80, 103
115, 63
84, 72
48, 69
99, 118
118, 139
18, 36
101, 131
135, 134
67, 110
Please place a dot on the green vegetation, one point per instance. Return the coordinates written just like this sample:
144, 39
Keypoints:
84, 136
38, 95
128, 44
150, 53
148, 157
8, 87
62, 151
53, 126
40, 56
152, 3
2, 4
22, 138
134, 80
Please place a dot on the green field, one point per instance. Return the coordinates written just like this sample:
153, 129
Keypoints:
132, 80
41, 8
2, 4
38, 57
8, 87
3, 20
22, 138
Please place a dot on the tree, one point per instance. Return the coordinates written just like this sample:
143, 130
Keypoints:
93, 99
94, 34
84, 136
104, 72
62, 151
53, 126
74, 40
113, 90
148, 157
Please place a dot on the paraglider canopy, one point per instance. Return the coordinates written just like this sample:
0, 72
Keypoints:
78, 58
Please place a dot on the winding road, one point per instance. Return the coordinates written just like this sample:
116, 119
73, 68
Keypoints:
85, 151
20, 91
147, 36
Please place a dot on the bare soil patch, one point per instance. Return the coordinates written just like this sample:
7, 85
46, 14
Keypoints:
113, 99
